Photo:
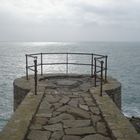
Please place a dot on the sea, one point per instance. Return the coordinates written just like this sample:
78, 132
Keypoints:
123, 64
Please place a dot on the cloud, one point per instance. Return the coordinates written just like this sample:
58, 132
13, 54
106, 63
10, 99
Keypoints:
69, 19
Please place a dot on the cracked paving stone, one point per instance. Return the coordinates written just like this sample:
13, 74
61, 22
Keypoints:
67, 137
95, 119
74, 111
59, 118
95, 110
36, 126
81, 101
57, 135
40, 120
85, 107
45, 104
76, 123
95, 137
53, 127
52, 99
57, 105
39, 135
89, 101
44, 113
101, 128
80, 130
64, 100
73, 102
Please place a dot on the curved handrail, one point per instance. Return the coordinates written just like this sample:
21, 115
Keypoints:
97, 62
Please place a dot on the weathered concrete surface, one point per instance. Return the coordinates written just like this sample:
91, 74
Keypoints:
119, 126
21, 88
68, 108
17, 126
113, 89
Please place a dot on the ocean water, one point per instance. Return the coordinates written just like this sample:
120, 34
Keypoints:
123, 64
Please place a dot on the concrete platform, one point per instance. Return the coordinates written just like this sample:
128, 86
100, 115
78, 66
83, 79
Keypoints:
67, 108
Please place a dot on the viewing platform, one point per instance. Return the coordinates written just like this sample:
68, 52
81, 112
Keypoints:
68, 106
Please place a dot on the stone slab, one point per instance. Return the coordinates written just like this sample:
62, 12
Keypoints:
67, 137
80, 131
57, 135
76, 123
59, 118
39, 135
53, 127
95, 137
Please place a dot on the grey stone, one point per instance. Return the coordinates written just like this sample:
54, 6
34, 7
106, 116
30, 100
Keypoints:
57, 135
52, 99
59, 118
85, 87
40, 120
45, 104
36, 126
62, 109
65, 82
78, 112
44, 113
67, 137
39, 135
64, 100
95, 137
75, 111
74, 102
89, 101
76, 123
95, 110
80, 131
81, 101
85, 107
57, 105
76, 93
101, 128
56, 113
53, 127
95, 119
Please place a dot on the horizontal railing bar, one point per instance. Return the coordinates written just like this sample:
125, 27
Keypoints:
100, 70
34, 54
29, 55
30, 66
65, 63
100, 57
31, 69
66, 53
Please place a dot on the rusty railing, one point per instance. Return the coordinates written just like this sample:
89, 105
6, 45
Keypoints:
98, 64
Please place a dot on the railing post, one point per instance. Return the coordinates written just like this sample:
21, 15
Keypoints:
67, 59
41, 64
35, 75
27, 67
106, 68
101, 84
95, 76
92, 65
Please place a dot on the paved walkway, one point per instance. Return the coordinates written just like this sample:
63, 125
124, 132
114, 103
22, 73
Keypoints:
67, 112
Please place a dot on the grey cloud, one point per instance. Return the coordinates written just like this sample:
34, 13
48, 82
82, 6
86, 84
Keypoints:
82, 22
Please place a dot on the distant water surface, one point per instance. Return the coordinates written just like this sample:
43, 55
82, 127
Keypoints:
123, 63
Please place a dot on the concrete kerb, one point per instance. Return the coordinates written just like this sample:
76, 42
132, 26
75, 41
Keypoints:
118, 125
17, 126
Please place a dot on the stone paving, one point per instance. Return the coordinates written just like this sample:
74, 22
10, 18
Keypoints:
67, 112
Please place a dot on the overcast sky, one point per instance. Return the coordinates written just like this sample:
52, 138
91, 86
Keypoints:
69, 20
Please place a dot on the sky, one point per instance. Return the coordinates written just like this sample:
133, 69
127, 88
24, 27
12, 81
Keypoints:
69, 20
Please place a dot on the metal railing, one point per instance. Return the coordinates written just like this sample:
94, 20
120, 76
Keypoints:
97, 63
